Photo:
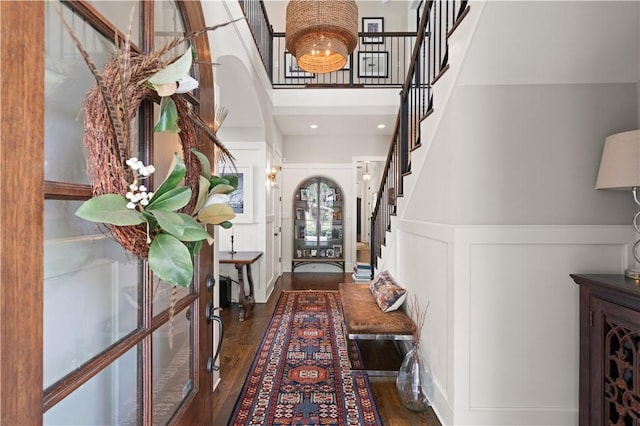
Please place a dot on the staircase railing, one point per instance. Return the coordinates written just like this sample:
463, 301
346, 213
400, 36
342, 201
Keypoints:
428, 62
261, 29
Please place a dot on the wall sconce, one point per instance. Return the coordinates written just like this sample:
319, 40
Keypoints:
366, 176
271, 176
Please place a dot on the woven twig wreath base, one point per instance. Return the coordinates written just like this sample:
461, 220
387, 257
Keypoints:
105, 158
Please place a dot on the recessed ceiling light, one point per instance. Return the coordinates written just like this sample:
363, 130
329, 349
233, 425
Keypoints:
314, 126
381, 126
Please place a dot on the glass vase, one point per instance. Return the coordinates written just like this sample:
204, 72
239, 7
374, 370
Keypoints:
415, 381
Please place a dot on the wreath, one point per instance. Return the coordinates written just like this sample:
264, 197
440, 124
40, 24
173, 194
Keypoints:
165, 226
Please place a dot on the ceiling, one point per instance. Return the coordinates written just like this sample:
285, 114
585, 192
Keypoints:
332, 125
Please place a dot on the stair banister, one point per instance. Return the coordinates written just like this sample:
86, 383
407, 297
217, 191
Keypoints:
429, 60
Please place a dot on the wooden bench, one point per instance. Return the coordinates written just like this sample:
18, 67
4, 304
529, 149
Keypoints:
364, 320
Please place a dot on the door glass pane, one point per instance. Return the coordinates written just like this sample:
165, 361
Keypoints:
90, 291
162, 295
168, 24
172, 366
67, 80
117, 12
109, 398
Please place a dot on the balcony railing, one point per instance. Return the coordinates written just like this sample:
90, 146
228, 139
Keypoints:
379, 60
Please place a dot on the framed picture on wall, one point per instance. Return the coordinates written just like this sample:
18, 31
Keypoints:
300, 213
292, 70
241, 200
373, 64
372, 25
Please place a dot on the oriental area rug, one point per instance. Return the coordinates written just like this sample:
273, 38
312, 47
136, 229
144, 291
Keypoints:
301, 374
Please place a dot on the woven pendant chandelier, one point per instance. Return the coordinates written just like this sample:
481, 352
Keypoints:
321, 34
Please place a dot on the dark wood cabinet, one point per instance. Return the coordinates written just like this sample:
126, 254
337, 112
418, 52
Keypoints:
609, 350
318, 223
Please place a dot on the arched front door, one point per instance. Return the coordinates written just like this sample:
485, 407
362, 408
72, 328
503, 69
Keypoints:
87, 337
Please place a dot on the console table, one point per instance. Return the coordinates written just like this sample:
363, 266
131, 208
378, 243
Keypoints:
609, 349
241, 260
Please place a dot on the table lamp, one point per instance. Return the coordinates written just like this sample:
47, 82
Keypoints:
620, 169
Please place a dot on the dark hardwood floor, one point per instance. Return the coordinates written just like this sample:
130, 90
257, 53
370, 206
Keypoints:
241, 341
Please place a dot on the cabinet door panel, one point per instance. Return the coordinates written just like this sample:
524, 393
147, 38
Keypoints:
615, 364
318, 223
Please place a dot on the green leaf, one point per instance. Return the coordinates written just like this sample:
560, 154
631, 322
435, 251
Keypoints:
226, 224
233, 180
109, 208
215, 180
176, 173
171, 200
170, 260
148, 217
204, 162
215, 214
193, 231
194, 247
222, 189
174, 71
168, 120
203, 193
170, 222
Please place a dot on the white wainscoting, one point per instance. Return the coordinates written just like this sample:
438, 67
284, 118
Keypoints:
501, 334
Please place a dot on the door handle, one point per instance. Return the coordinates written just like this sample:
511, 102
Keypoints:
210, 310
211, 361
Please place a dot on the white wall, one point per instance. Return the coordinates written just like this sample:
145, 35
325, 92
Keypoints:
250, 229
522, 149
504, 206
252, 136
339, 149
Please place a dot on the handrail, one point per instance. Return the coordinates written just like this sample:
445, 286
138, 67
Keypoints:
428, 61
261, 30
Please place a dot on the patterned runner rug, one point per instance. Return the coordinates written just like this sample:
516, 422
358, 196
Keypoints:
300, 374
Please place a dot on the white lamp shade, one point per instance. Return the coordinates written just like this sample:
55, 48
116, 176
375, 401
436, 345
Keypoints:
620, 163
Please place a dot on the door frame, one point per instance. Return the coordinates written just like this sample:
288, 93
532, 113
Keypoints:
22, 215
21, 211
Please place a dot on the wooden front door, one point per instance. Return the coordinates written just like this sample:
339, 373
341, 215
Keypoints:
86, 333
